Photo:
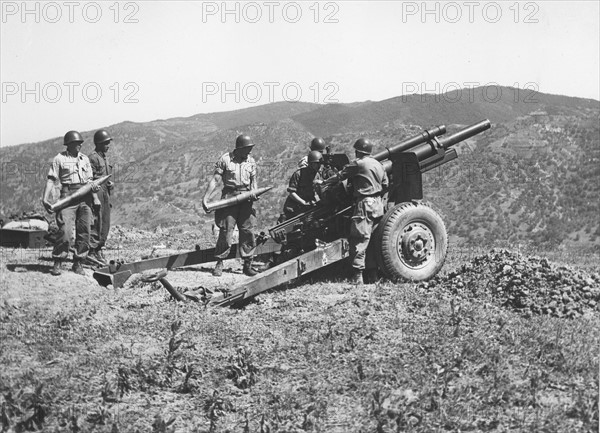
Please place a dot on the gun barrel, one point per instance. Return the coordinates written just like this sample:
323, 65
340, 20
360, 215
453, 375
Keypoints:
426, 149
466, 133
411, 142
240, 198
77, 195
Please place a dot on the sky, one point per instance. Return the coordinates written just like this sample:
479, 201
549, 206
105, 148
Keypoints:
87, 65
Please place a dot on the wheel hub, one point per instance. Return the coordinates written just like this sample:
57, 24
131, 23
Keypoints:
416, 244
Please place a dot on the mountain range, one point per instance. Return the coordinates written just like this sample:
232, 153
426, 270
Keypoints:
533, 178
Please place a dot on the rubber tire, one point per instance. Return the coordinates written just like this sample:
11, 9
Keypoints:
388, 233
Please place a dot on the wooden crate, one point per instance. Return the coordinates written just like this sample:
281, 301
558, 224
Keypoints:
22, 238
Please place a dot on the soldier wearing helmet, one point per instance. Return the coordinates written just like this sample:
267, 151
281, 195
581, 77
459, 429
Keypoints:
327, 169
101, 222
72, 169
317, 144
301, 187
368, 181
237, 171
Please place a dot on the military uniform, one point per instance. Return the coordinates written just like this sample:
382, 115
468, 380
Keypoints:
238, 177
302, 183
101, 221
369, 182
73, 172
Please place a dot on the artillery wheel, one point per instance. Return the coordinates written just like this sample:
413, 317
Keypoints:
413, 242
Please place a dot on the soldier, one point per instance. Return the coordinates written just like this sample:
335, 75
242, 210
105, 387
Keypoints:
369, 182
101, 167
237, 170
301, 187
317, 144
73, 170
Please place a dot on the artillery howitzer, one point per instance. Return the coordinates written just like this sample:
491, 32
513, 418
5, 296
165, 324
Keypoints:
410, 241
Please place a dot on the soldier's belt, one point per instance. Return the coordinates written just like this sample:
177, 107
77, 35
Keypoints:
227, 191
72, 187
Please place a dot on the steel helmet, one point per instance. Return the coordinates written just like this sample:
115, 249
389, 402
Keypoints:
315, 156
243, 141
101, 136
317, 143
363, 145
72, 137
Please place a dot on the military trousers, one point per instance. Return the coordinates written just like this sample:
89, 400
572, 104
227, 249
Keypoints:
101, 221
78, 218
366, 213
244, 216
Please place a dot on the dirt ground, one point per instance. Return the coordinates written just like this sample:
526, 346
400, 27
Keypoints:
317, 355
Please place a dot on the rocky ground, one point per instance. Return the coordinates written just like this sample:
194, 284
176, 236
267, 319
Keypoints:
528, 285
499, 341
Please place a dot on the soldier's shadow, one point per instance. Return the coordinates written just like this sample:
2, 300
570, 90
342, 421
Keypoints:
50, 259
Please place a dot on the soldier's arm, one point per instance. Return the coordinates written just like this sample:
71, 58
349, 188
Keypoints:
220, 167
254, 181
96, 167
293, 187
46, 197
210, 189
298, 199
212, 185
317, 182
95, 186
53, 176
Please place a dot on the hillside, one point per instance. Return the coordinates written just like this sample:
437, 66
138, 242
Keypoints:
533, 178
456, 107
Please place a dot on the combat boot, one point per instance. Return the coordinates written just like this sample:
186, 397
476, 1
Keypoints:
56, 268
357, 277
218, 270
92, 259
77, 268
248, 268
100, 256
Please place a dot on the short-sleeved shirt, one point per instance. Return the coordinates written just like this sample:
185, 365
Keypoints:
301, 183
237, 175
68, 169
